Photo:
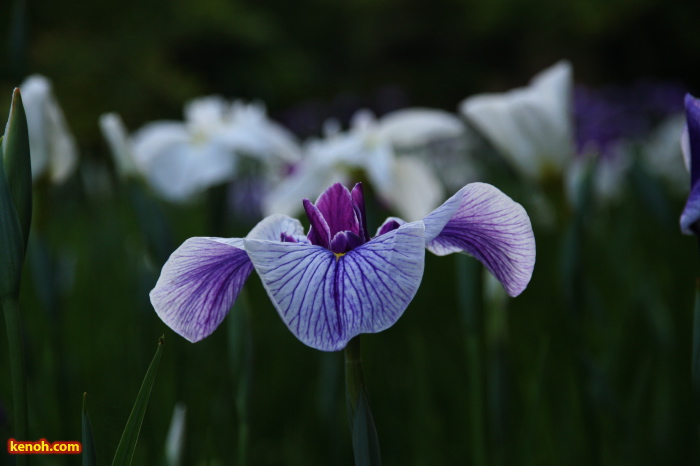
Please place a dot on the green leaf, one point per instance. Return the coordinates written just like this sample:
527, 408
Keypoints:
89, 454
127, 444
18, 164
12, 250
696, 346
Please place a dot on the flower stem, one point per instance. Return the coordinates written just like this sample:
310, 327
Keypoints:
241, 357
470, 298
10, 307
695, 370
365, 443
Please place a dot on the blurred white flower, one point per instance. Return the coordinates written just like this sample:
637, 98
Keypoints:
404, 180
175, 440
53, 149
662, 153
182, 159
531, 126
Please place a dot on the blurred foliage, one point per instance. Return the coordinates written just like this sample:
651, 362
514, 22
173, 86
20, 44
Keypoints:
144, 59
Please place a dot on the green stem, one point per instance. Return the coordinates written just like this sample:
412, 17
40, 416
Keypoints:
470, 289
354, 377
241, 357
365, 442
695, 370
10, 307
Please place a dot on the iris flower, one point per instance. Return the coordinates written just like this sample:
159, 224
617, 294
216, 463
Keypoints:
183, 159
532, 126
52, 146
377, 147
339, 281
691, 153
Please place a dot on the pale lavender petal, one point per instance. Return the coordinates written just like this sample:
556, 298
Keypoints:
336, 205
390, 224
199, 283
327, 300
691, 212
272, 227
487, 224
319, 233
358, 203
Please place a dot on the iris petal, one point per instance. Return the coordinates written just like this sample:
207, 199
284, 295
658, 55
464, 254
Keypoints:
692, 112
358, 203
487, 224
691, 212
336, 205
202, 278
325, 301
199, 283
319, 233
391, 223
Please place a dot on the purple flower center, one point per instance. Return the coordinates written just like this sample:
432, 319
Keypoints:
338, 219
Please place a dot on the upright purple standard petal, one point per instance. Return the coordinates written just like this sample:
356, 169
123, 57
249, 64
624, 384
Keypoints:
336, 205
358, 203
319, 233
326, 299
691, 211
199, 283
692, 113
487, 224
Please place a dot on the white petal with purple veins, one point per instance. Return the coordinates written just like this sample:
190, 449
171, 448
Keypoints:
487, 224
199, 283
270, 228
327, 300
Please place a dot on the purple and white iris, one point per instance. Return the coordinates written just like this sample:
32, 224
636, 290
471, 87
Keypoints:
691, 152
338, 281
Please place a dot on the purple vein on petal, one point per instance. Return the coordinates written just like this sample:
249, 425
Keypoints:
319, 233
336, 205
199, 283
491, 227
325, 301
358, 203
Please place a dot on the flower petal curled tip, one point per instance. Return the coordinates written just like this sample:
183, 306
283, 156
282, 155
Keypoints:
692, 113
487, 224
199, 283
327, 300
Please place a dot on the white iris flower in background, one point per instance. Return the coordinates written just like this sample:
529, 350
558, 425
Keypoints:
53, 149
183, 159
387, 150
532, 126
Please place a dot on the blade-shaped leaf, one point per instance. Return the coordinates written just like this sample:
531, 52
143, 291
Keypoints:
18, 164
127, 444
89, 453
12, 250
